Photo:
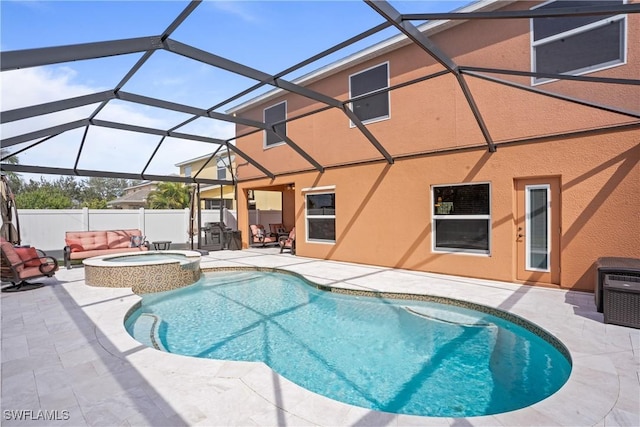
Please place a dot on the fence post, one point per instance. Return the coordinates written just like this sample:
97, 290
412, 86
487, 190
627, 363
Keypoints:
187, 224
85, 219
141, 221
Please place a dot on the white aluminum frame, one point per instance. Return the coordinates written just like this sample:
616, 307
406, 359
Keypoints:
381, 118
527, 226
307, 217
264, 133
585, 28
435, 217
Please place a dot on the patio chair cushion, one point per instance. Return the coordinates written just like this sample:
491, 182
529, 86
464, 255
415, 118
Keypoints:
12, 256
29, 256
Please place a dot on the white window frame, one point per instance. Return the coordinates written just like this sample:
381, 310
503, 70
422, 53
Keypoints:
264, 114
585, 28
218, 168
435, 217
307, 217
527, 210
377, 119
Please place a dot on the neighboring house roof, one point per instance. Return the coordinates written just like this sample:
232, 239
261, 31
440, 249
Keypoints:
141, 185
222, 152
138, 196
135, 197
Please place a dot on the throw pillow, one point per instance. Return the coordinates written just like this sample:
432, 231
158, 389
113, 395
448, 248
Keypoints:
75, 245
137, 241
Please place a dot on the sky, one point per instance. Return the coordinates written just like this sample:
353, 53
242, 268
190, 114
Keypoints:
266, 35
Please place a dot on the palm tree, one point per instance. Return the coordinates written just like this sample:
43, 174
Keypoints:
169, 195
14, 179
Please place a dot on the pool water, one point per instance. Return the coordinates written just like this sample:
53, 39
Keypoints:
149, 257
400, 356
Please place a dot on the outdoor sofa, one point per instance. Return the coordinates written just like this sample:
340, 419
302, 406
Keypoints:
86, 244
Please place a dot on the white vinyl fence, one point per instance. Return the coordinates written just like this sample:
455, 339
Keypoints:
45, 228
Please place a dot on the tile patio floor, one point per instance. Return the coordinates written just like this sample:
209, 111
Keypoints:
65, 350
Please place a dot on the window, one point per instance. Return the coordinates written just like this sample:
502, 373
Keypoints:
215, 204
221, 169
187, 171
375, 107
461, 218
578, 44
274, 114
321, 217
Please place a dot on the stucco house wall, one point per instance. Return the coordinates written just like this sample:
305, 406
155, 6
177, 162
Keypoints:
384, 211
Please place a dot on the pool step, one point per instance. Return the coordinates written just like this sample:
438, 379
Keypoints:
147, 331
449, 318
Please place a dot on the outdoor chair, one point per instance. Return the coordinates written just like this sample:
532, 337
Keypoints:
259, 236
23, 263
289, 242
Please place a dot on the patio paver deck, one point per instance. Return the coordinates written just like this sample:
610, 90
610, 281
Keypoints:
65, 354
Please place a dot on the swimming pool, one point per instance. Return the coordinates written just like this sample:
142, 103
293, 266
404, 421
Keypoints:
395, 355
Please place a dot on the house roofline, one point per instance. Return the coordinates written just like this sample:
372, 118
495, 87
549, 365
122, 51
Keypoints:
393, 43
203, 157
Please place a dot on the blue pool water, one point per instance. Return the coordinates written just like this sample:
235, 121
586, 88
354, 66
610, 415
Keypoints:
149, 257
400, 356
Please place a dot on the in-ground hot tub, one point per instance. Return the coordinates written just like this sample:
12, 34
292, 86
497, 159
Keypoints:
153, 271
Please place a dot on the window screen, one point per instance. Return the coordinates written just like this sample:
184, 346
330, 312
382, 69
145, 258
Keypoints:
321, 217
461, 218
578, 44
547, 27
598, 46
221, 169
272, 115
375, 106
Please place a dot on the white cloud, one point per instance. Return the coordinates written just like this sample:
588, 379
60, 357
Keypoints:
235, 8
30, 86
104, 149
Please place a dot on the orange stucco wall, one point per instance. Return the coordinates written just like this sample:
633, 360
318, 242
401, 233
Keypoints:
383, 211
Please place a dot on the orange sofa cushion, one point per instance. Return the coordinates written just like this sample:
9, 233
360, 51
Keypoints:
80, 241
89, 254
121, 238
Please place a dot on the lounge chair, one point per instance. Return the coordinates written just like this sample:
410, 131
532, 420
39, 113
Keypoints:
288, 242
259, 237
23, 263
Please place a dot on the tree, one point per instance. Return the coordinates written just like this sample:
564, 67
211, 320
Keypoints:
65, 191
169, 195
15, 183
106, 188
43, 198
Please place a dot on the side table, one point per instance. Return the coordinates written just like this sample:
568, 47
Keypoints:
161, 245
